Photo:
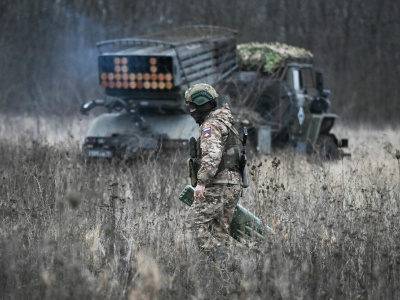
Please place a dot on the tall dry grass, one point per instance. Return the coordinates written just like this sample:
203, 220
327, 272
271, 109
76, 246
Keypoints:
113, 229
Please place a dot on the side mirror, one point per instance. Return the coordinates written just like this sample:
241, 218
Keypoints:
325, 93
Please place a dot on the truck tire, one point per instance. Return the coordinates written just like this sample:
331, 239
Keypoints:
327, 147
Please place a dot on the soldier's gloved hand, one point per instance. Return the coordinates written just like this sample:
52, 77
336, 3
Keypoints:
199, 192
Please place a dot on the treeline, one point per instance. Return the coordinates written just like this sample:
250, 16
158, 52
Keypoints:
48, 59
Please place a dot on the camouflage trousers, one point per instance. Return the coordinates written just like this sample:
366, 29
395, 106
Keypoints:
209, 219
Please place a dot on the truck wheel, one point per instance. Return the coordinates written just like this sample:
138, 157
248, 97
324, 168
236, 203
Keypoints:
327, 148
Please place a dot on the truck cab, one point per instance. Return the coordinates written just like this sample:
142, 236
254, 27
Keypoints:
312, 125
286, 106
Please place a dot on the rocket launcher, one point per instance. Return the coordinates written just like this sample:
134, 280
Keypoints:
244, 224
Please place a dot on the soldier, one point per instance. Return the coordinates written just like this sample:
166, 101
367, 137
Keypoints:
218, 179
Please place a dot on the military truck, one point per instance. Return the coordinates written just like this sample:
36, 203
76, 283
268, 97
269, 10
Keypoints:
280, 98
144, 81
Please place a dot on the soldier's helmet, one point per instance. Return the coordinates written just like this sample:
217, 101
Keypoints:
200, 94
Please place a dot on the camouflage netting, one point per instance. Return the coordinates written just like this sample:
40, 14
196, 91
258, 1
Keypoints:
267, 56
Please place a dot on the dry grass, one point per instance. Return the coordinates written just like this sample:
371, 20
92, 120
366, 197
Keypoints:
113, 230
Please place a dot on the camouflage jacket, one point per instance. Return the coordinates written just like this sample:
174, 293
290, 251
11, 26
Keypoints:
213, 135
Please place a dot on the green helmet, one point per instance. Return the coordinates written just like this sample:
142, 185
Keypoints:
200, 94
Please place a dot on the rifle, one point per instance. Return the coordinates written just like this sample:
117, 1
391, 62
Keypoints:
192, 162
243, 159
244, 224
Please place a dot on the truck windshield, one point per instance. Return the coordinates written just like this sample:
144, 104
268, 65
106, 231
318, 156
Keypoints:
300, 79
306, 79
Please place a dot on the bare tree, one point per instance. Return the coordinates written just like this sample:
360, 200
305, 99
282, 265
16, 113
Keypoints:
49, 60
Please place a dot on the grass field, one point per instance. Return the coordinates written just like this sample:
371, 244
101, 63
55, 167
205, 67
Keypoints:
113, 230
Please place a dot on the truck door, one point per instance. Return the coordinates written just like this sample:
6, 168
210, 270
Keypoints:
301, 80
294, 82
